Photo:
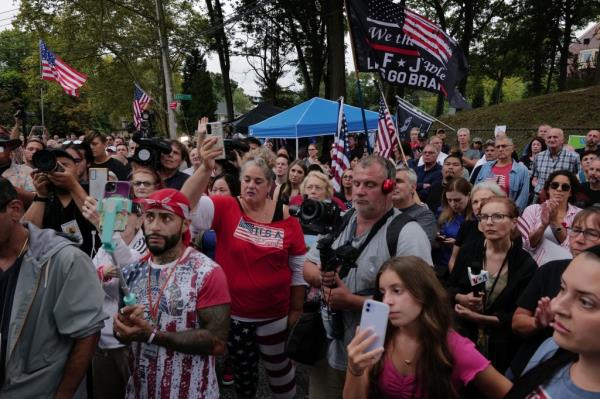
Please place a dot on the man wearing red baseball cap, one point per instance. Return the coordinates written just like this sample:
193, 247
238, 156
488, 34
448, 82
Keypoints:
181, 319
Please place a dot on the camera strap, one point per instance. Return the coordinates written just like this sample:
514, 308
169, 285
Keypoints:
374, 230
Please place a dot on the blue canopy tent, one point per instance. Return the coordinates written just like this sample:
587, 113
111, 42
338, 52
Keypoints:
315, 117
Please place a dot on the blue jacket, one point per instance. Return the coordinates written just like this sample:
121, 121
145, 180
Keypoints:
518, 180
431, 176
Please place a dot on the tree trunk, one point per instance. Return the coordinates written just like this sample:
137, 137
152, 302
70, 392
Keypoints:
466, 37
564, 51
336, 71
216, 18
439, 104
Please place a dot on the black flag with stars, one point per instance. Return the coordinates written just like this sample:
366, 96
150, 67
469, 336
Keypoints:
406, 49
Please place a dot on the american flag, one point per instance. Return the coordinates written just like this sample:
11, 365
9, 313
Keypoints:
386, 131
55, 69
427, 36
140, 102
340, 160
259, 235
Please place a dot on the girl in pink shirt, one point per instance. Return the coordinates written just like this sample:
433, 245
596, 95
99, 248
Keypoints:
422, 356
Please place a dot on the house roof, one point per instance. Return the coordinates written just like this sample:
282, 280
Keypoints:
593, 34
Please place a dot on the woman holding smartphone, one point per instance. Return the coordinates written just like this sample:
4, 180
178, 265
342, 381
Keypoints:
422, 356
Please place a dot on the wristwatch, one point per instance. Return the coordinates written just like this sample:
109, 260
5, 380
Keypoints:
37, 198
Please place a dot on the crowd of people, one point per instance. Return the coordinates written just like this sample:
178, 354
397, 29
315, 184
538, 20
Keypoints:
489, 261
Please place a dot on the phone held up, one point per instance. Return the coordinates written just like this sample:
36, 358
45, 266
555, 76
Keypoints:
216, 129
375, 316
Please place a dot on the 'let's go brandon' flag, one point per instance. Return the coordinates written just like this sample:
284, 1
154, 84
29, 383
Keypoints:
406, 48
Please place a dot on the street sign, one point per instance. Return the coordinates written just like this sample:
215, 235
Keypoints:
183, 97
173, 105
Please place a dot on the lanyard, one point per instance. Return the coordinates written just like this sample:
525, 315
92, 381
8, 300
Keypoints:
154, 309
497, 275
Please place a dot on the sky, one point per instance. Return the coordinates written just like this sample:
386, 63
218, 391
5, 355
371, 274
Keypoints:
241, 71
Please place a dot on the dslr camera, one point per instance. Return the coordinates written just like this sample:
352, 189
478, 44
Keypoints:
320, 217
45, 161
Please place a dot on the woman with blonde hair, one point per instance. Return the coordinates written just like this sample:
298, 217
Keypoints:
318, 187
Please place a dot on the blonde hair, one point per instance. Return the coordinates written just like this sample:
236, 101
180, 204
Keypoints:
319, 176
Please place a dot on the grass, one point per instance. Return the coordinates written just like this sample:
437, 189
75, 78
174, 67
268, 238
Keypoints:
575, 112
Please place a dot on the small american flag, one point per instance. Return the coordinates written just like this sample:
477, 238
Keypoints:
386, 131
140, 103
427, 36
259, 235
339, 160
55, 69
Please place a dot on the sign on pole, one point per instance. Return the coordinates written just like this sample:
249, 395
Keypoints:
180, 96
173, 105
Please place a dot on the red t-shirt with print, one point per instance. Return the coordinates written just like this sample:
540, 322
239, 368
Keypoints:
254, 257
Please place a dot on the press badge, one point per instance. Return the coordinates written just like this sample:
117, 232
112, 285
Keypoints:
72, 228
150, 351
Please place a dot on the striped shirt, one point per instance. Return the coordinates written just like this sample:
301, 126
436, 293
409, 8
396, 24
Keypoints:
544, 164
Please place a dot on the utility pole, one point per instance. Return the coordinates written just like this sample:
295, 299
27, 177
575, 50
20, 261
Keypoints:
164, 50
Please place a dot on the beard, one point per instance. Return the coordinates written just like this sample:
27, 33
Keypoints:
170, 242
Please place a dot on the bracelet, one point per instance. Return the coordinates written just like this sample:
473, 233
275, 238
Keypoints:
37, 198
354, 373
152, 336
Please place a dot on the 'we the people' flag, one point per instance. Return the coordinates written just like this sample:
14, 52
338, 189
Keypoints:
406, 49
55, 69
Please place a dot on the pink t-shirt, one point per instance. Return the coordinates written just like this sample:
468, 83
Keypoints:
468, 362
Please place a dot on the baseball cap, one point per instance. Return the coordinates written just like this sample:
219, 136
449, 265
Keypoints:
477, 140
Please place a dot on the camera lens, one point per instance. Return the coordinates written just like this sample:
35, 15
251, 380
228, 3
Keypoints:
44, 161
111, 187
144, 155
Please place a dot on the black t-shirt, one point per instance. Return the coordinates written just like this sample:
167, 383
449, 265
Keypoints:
8, 284
434, 198
176, 181
114, 166
468, 232
70, 220
593, 196
545, 282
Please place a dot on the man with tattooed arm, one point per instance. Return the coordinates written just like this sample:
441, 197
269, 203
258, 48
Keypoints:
181, 319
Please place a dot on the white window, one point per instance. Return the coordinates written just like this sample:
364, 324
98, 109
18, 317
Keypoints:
587, 58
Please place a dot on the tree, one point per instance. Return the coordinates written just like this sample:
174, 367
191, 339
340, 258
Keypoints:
198, 83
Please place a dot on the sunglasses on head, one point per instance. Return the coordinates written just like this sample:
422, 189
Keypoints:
66, 142
563, 186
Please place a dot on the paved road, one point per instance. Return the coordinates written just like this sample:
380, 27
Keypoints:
263, 385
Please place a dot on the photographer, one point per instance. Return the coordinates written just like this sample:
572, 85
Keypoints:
368, 234
59, 200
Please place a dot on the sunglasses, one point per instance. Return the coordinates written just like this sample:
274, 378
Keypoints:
142, 183
66, 142
563, 186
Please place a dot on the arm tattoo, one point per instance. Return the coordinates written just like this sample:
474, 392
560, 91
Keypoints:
209, 340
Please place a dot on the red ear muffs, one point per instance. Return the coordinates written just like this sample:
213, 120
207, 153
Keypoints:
388, 186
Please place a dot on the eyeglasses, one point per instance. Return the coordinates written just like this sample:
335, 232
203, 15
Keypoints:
496, 217
502, 146
588, 235
142, 183
67, 142
563, 186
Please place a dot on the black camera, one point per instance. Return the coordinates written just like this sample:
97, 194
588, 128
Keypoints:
320, 217
149, 150
45, 161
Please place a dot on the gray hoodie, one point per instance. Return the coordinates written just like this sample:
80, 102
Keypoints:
58, 299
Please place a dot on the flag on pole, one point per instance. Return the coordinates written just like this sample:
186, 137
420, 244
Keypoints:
140, 103
55, 69
408, 117
386, 131
340, 160
406, 49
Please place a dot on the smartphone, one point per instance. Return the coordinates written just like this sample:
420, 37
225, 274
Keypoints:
37, 131
98, 179
216, 129
375, 316
117, 189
